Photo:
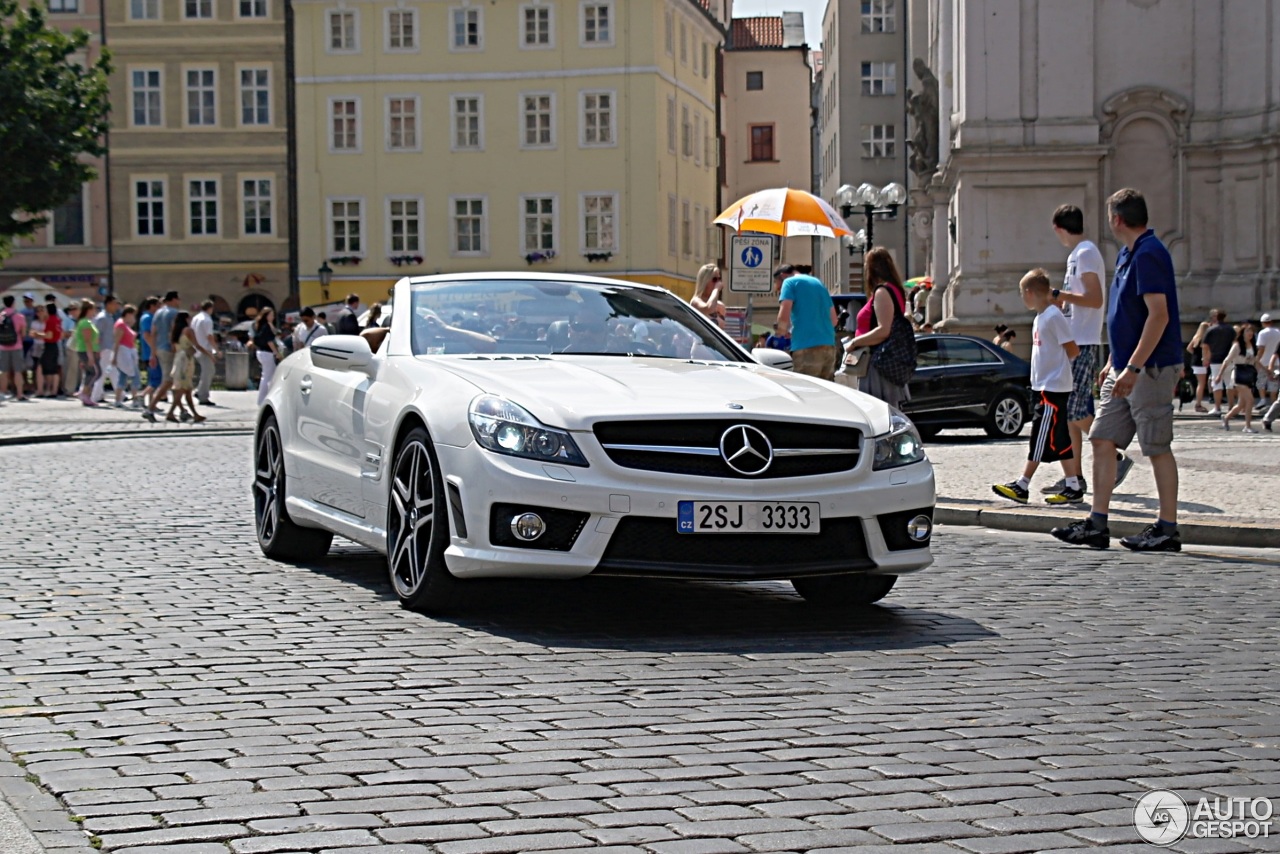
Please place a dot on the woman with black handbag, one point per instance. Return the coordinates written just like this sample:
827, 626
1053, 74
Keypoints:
883, 326
1242, 366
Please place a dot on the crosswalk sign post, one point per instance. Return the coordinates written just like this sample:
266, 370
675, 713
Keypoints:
751, 263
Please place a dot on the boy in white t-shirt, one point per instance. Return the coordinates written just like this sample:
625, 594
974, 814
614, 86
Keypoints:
1052, 350
1268, 342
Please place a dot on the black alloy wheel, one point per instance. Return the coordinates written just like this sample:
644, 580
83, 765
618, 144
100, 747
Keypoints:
279, 537
418, 528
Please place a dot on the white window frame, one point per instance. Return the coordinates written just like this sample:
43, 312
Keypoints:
582, 222
555, 222
329, 15
213, 10
483, 252
160, 91
240, 90
188, 198
875, 142
451, 33
153, 4
881, 74
583, 6
522, 115
330, 235
163, 180
417, 123
186, 97
422, 231
415, 31
243, 199
686, 132
883, 14
550, 11
266, 10
453, 122
582, 118
359, 147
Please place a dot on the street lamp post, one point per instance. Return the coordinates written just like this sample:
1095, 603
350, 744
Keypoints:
326, 276
874, 201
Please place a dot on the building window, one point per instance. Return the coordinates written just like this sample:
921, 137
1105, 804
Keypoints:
711, 236
346, 232
202, 205
879, 78
697, 134
686, 230
255, 96
669, 32
144, 10
197, 9
671, 124
597, 23
405, 225
706, 50
202, 97
537, 109
539, 223
537, 26
64, 5
686, 132
878, 141
597, 118
878, 16
256, 198
252, 8
467, 130
147, 89
342, 31
467, 33
762, 143
344, 124
697, 232
755, 81
402, 29
673, 227
684, 43
468, 226
149, 208
68, 221
402, 123
598, 226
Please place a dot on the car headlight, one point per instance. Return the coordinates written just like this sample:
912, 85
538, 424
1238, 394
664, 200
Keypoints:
901, 446
505, 428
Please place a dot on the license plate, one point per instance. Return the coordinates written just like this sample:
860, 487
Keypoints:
747, 517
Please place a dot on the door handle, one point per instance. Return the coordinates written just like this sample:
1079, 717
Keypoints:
305, 385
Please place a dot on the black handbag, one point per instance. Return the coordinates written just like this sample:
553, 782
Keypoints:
895, 357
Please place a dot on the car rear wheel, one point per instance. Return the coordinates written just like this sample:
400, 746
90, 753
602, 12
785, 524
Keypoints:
279, 537
1006, 415
418, 529
843, 591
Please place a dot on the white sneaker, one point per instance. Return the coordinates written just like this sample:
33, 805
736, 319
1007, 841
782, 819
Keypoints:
1248, 430
1216, 412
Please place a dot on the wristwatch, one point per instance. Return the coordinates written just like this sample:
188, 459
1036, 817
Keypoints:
1135, 368
1057, 292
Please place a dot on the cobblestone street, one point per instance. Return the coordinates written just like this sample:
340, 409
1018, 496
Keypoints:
164, 689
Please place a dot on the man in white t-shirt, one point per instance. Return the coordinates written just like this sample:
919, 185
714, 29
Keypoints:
206, 350
1267, 342
1082, 299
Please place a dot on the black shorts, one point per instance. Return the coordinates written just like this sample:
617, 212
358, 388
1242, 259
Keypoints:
49, 359
1050, 438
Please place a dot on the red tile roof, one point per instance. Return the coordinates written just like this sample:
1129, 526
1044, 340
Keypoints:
756, 33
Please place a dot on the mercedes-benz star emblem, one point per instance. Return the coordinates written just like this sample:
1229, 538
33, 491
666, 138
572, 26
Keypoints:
746, 449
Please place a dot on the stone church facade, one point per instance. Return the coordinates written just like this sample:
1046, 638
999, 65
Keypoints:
1043, 103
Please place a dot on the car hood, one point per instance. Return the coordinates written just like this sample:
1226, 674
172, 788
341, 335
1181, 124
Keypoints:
574, 392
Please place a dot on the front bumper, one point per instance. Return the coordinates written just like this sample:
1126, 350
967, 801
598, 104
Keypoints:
629, 526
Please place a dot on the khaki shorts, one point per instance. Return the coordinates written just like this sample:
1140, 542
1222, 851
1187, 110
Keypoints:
165, 358
817, 362
1146, 413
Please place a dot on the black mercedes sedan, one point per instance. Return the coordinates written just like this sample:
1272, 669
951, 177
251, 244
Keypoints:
963, 381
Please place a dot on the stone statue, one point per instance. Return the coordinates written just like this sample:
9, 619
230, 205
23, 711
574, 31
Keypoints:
923, 106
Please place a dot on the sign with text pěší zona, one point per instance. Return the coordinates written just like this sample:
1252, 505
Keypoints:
751, 263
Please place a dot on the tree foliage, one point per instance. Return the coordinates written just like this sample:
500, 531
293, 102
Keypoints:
53, 112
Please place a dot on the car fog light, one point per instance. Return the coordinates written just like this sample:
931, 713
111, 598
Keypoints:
919, 528
528, 527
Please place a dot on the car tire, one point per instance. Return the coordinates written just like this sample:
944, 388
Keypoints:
418, 528
1006, 415
843, 591
279, 537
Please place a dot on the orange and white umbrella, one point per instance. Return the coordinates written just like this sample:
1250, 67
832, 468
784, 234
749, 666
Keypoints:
785, 212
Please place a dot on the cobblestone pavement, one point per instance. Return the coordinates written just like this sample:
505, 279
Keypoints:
41, 418
176, 693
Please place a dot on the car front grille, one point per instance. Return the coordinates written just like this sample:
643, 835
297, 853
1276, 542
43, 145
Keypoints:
692, 447
649, 546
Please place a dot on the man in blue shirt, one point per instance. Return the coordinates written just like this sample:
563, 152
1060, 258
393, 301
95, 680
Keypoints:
807, 315
1138, 383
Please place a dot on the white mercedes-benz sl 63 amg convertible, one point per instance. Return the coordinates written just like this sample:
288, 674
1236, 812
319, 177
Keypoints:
557, 426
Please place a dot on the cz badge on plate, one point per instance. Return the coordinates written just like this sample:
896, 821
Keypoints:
748, 517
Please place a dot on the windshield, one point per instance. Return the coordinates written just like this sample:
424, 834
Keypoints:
506, 317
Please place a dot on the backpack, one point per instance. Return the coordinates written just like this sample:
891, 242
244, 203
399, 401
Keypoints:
8, 331
895, 357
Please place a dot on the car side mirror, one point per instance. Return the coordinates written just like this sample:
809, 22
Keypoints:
341, 353
772, 358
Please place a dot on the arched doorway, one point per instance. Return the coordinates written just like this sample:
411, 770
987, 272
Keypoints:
251, 304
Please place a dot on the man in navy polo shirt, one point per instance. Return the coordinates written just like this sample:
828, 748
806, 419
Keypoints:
1139, 381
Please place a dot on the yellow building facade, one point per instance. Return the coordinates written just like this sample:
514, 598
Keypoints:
555, 135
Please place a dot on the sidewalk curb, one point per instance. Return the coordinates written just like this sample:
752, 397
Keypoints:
53, 438
1237, 534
